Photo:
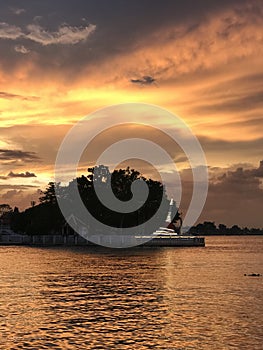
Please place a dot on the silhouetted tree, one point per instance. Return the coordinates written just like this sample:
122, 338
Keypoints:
4, 208
49, 195
222, 229
5, 214
235, 230
47, 218
121, 181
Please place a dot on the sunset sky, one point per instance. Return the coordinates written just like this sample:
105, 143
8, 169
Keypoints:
61, 60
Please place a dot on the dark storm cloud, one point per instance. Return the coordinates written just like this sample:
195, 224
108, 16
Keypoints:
7, 155
11, 174
237, 197
26, 174
234, 196
120, 27
250, 178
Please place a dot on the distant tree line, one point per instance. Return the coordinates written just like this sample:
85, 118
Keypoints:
210, 228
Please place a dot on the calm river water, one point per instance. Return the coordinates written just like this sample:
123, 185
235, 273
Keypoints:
167, 298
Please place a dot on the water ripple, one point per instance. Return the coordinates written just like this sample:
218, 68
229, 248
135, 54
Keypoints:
140, 299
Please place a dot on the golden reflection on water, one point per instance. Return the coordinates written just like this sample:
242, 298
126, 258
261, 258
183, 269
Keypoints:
193, 298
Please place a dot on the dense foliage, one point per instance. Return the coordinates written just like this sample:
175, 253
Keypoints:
210, 228
47, 218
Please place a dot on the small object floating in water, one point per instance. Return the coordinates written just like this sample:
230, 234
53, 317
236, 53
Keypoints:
253, 274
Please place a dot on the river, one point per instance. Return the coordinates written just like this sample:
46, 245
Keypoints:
143, 298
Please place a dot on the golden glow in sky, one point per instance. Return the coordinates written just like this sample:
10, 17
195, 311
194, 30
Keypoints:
207, 63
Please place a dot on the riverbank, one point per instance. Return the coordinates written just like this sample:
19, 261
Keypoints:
104, 240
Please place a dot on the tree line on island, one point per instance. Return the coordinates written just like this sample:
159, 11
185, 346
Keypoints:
46, 217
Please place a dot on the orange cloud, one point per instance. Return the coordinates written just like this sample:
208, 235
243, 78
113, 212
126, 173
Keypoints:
209, 73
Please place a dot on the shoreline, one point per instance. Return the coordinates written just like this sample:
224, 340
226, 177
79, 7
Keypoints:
76, 240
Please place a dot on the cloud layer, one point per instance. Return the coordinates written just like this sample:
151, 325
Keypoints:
205, 55
65, 34
23, 175
10, 155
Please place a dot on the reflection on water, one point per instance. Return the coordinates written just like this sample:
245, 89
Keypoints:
169, 298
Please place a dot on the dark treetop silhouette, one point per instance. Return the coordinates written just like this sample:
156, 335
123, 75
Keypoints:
47, 218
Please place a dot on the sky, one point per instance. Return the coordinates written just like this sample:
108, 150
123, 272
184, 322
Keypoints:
61, 61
